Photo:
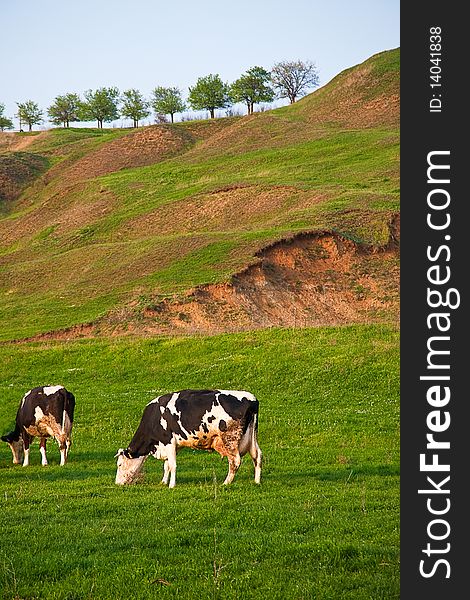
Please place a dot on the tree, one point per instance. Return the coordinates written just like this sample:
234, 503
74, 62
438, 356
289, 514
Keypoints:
100, 105
134, 106
209, 93
252, 87
5, 122
167, 101
30, 113
65, 110
292, 79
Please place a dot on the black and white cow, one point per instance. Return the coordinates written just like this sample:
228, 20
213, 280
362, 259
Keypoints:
44, 412
220, 420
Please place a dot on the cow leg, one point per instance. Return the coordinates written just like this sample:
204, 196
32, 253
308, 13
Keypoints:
26, 443
42, 450
64, 445
166, 473
256, 454
229, 448
67, 447
249, 443
171, 460
234, 462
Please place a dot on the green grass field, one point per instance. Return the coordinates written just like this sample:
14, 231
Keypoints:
324, 524
103, 224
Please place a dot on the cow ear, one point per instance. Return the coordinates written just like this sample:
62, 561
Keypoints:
7, 438
120, 452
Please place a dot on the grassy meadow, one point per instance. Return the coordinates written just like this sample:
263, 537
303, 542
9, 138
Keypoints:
98, 224
323, 524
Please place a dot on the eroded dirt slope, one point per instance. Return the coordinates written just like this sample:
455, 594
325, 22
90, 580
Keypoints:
140, 148
310, 279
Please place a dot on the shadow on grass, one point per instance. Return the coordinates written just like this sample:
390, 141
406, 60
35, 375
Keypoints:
88, 465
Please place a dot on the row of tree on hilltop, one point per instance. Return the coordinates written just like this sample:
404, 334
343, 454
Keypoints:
288, 79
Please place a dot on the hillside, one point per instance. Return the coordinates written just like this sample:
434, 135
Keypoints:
165, 228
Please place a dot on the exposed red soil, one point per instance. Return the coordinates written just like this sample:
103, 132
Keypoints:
143, 147
77, 213
311, 279
17, 170
13, 142
348, 103
308, 280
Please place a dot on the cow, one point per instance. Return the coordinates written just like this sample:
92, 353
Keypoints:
222, 420
44, 412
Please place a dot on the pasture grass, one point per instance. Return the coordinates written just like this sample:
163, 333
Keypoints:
355, 171
323, 524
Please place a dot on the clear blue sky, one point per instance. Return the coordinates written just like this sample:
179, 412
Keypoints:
50, 47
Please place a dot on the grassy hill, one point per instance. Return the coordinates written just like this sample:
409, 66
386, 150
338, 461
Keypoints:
275, 224
105, 225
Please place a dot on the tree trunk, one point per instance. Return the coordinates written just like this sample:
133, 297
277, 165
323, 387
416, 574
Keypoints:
171, 115
211, 110
30, 127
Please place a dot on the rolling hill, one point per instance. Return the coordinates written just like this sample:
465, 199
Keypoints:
280, 230
286, 217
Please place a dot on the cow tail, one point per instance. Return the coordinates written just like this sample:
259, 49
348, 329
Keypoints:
69, 405
254, 430
252, 421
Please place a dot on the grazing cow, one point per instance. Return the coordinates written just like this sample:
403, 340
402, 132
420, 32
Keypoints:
44, 412
221, 420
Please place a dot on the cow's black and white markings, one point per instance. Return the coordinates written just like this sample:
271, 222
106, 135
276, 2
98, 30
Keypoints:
221, 420
43, 412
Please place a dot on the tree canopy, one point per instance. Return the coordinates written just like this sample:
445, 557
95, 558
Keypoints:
65, 109
5, 122
252, 88
100, 105
30, 113
287, 79
167, 101
209, 93
292, 79
134, 106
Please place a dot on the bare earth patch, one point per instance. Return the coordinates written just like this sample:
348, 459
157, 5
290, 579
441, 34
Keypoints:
143, 147
233, 207
308, 280
311, 279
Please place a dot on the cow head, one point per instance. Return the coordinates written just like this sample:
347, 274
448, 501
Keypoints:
16, 445
128, 468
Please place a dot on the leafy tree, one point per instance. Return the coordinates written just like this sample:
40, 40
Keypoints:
65, 110
5, 122
134, 106
30, 113
100, 105
209, 93
252, 87
167, 101
292, 79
